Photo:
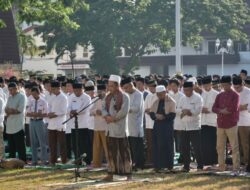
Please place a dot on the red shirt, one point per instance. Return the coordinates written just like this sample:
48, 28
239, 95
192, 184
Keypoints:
231, 101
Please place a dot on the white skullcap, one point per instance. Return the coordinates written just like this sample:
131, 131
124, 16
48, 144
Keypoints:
160, 88
193, 80
90, 83
115, 78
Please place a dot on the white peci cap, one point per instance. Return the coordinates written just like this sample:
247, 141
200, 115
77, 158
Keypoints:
90, 83
160, 88
115, 78
193, 80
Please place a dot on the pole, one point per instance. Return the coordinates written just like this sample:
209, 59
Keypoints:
77, 160
178, 36
222, 63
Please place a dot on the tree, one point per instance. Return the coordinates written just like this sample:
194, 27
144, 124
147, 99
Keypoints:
56, 13
4, 6
139, 26
31, 11
142, 26
151, 23
63, 38
27, 45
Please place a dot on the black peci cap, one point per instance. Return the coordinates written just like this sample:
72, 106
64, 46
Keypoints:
188, 84
55, 84
77, 85
226, 79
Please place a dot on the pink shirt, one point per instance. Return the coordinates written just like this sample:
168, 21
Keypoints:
231, 101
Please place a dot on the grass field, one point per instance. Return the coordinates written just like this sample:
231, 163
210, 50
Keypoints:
61, 179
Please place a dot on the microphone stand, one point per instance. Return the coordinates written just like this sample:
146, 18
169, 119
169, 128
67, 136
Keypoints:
77, 157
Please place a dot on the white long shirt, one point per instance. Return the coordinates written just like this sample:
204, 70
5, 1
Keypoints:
48, 97
58, 105
100, 123
208, 102
91, 122
78, 103
194, 104
150, 99
29, 100
244, 119
2, 112
70, 124
135, 116
177, 121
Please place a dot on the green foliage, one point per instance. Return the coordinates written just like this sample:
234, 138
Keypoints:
224, 18
139, 26
27, 44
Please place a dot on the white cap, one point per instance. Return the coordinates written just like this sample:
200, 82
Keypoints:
193, 80
160, 88
90, 83
115, 78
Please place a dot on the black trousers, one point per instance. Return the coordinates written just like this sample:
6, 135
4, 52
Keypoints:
194, 138
27, 134
83, 143
68, 145
208, 143
90, 143
16, 144
137, 151
177, 140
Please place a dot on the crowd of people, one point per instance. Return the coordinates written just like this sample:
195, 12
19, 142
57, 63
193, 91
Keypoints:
128, 122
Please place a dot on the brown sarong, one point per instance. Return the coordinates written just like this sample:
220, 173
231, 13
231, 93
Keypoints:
119, 156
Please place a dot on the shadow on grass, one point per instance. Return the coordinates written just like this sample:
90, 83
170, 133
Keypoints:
198, 181
27, 174
170, 181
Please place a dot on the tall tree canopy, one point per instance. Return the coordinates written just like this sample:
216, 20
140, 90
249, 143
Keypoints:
139, 26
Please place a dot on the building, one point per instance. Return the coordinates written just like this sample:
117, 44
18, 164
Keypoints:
47, 64
202, 61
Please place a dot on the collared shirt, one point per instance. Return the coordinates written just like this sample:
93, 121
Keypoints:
38, 106
117, 129
244, 119
149, 101
193, 103
59, 106
231, 101
78, 103
135, 116
15, 122
208, 102
177, 121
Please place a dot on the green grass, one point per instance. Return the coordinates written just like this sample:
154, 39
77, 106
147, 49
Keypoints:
40, 179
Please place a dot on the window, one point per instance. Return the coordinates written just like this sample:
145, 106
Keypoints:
242, 47
85, 52
211, 47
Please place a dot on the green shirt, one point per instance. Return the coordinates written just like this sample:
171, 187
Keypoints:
15, 123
